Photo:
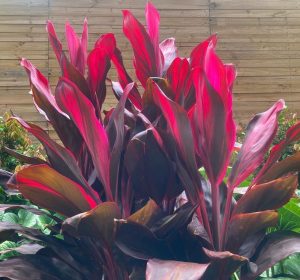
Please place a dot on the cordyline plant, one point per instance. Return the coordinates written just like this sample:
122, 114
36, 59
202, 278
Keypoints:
126, 181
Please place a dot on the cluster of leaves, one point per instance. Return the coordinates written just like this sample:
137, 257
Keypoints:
127, 183
13, 138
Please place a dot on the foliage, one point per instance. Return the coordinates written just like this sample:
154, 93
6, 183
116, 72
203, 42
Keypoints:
287, 269
13, 136
286, 120
127, 181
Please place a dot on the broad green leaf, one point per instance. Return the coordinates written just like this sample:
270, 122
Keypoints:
291, 265
26, 218
10, 217
5, 246
289, 216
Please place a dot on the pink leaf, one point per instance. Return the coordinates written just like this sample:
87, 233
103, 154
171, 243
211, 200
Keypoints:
77, 46
39, 81
153, 20
169, 52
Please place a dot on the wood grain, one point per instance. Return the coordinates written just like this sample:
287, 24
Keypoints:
262, 38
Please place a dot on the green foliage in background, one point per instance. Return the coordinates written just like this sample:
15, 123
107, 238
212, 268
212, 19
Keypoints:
14, 137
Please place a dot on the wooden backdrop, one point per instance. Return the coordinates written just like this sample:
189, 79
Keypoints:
262, 37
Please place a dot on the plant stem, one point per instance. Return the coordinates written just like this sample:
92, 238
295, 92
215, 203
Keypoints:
216, 215
203, 217
226, 217
235, 276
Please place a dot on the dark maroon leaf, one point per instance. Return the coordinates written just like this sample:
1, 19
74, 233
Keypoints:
46, 104
222, 264
281, 168
173, 223
4, 177
138, 241
144, 157
38, 267
116, 135
147, 215
97, 223
26, 248
242, 226
24, 158
268, 196
179, 126
274, 248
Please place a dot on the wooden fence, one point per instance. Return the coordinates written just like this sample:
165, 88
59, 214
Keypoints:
262, 37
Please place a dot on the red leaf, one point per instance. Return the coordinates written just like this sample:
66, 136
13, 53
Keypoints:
260, 133
179, 126
77, 47
178, 123
47, 105
143, 49
178, 76
98, 65
69, 70
107, 42
82, 112
54, 41
199, 52
213, 125
60, 158
40, 82
153, 20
